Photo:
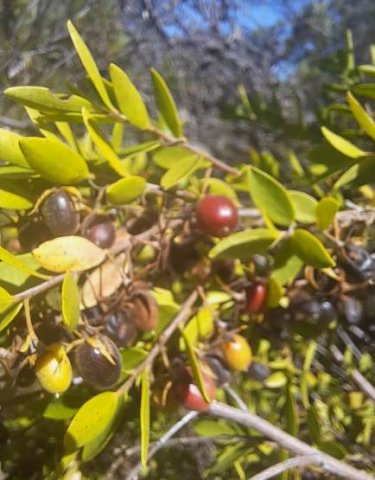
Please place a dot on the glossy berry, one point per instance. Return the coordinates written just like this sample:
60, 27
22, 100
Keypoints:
101, 231
98, 362
236, 353
120, 328
59, 213
53, 369
357, 262
256, 296
188, 394
262, 264
216, 215
259, 371
312, 310
221, 373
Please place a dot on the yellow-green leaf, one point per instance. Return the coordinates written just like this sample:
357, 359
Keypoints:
70, 298
128, 98
311, 250
180, 171
145, 416
274, 292
165, 104
10, 150
54, 160
290, 412
167, 157
325, 212
11, 259
199, 326
342, 145
95, 418
361, 173
104, 147
6, 299
364, 120
244, 244
268, 194
287, 263
9, 314
126, 190
14, 195
216, 186
194, 363
304, 205
68, 253
89, 64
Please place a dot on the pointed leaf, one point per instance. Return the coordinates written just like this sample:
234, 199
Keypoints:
14, 195
95, 418
274, 292
244, 244
287, 263
325, 212
54, 160
165, 104
68, 253
10, 150
290, 412
361, 173
268, 194
199, 326
311, 250
342, 145
89, 65
128, 98
181, 171
364, 120
70, 301
6, 299
167, 157
126, 190
16, 262
304, 205
7, 316
145, 416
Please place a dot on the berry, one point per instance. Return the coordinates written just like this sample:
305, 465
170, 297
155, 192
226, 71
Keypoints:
59, 214
222, 374
101, 231
357, 262
53, 369
120, 328
311, 310
259, 371
256, 296
216, 215
98, 362
236, 353
188, 394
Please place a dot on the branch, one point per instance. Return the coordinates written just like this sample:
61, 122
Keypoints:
284, 440
296, 462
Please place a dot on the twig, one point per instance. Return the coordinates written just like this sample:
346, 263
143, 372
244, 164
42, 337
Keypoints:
284, 440
237, 399
296, 462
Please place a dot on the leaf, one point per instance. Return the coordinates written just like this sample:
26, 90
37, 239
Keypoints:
333, 448
309, 355
268, 194
54, 160
42, 98
126, 190
14, 195
91, 450
244, 244
64, 407
362, 173
145, 415
70, 297
7, 316
194, 363
209, 428
94, 419
89, 65
304, 206
325, 212
167, 157
276, 380
274, 292
68, 253
342, 145
215, 186
165, 104
132, 357
199, 326
16, 262
180, 171
6, 299
367, 90
128, 98
290, 412
311, 250
364, 120
9, 148
287, 263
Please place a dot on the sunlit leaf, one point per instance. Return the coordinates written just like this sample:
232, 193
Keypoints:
361, 173
342, 145
168, 157
125, 190
180, 171
16, 262
364, 120
145, 416
199, 326
304, 205
70, 301
287, 263
8, 315
274, 292
311, 250
14, 195
10, 150
325, 212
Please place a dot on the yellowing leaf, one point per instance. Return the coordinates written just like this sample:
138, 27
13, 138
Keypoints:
125, 190
128, 98
68, 253
311, 250
145, 415
70, 301
342, 145
89, 65
54, 160
364, 120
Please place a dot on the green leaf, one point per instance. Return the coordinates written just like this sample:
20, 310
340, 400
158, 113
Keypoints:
6, 299
366, 89
244, 244
10, 275
362, 173
194, 363
10, 150
128, 98
16, 262
126, 190
89, 65
268, 194
132, 357
325, 212
70, 297
104, 147
342, 145
310, 355
14, 195
274, 292
8, 315
95, 418
165, 104
42, 98
168, 157
209, 428
304, 205
180, 171
54, 160
287, 263
199, 326
364, 120
64, 407
276, 380
311, 250
333, 448
215, 186
91, 450
145, 416
290, 412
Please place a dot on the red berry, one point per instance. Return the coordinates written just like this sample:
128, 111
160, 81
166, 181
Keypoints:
101, 231
256, 296
216, 215
189, 396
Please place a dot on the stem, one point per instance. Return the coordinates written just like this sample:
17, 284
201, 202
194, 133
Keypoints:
296, 462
